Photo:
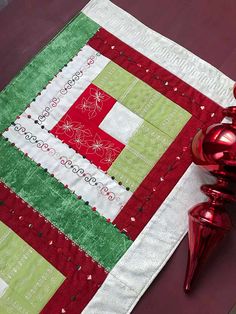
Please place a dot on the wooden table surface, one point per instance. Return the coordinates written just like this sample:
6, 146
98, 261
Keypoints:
205, 27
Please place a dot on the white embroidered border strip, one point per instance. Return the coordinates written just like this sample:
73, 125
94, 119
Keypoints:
107, 195
179, 61
150, 251
130, 278
49, 107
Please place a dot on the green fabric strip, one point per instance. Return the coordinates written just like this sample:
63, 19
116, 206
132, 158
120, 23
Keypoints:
142, 99
163, 120
84, 226
27, 280
139, 156
36, 75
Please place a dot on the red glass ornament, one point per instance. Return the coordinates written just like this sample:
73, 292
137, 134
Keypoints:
214, 149
235, 90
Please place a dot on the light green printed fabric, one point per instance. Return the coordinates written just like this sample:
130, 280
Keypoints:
27, 280
142, 99
100, 239
36, 75
143, 150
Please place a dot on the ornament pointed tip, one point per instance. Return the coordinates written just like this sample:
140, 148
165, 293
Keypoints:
190, 274
187, 286
187, 289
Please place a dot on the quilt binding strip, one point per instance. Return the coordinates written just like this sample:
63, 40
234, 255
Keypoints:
216, 118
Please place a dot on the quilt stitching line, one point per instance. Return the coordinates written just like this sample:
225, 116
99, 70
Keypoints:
48, 130
149, 71
81, 41
66, 162
154, 188
171, 168
49, 243
28, 224
149, 198
112, 46
120, 183
149, 280
35, 288
106, 221
17, 77
182, 95
55, 100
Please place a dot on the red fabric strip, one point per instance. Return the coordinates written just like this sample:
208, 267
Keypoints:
79, 128
154, 75
73, 295
58, 250
175, 161
158, 184
92, 105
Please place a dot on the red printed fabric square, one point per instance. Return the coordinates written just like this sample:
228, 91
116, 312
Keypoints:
79, 128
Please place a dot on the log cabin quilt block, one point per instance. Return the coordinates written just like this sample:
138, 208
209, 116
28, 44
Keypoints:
96, 174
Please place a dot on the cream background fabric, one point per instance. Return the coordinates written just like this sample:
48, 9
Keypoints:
121, 123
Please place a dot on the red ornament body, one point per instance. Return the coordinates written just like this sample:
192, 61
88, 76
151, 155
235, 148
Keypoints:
214, 149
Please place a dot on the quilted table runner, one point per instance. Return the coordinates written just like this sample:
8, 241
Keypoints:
95, 163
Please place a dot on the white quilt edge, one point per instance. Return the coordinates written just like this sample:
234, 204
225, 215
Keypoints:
209, 81
165, 52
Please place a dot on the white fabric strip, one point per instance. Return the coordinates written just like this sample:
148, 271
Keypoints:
85, 179
133, 274
178, 60
121, 123
49, 107
135, 271
3, 287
